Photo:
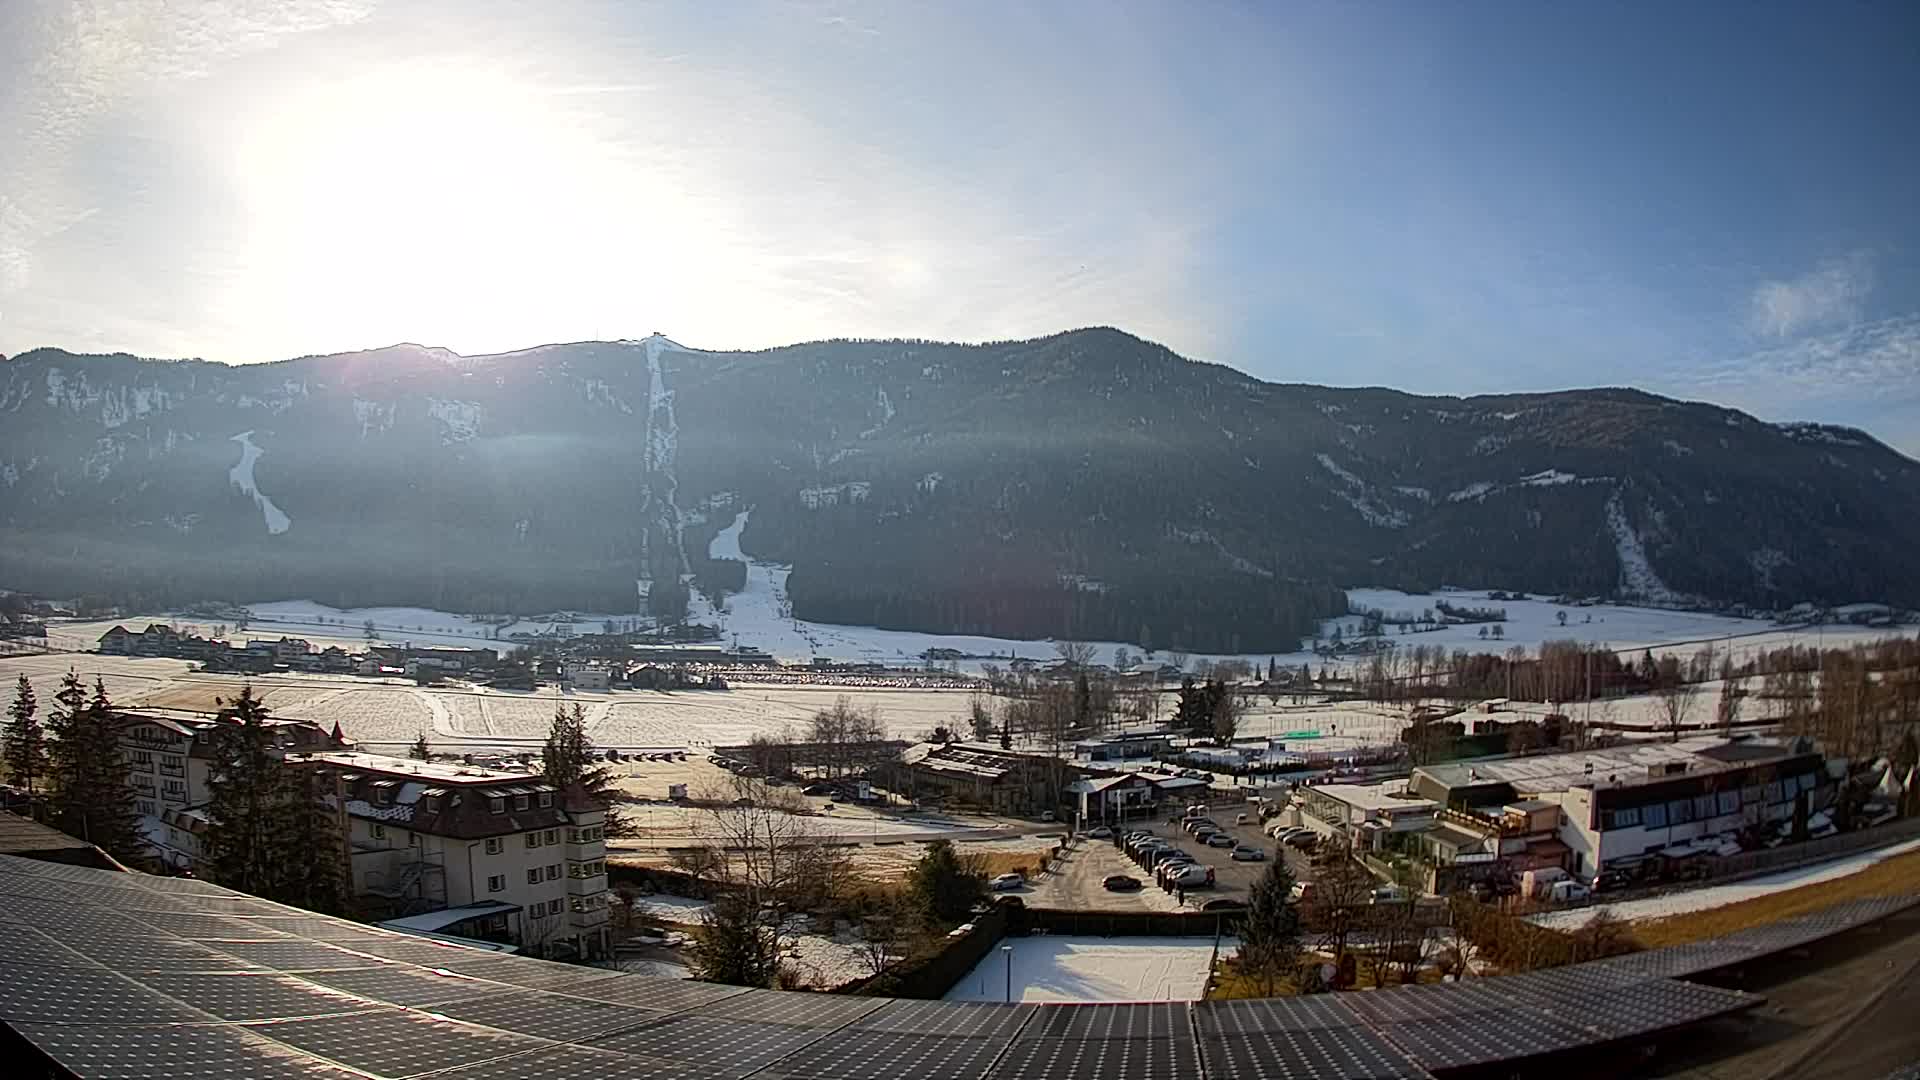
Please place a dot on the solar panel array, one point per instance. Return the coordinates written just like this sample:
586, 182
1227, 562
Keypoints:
117, 975
1741, 946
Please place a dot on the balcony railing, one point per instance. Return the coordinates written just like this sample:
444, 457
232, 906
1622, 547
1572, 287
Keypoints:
172, 770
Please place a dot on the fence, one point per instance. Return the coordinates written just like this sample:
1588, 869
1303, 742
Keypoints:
930, 978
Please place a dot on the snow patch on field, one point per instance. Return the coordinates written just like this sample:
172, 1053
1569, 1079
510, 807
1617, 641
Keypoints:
1681, 903
1476, 490
241, 476
1356, 493
1087, 969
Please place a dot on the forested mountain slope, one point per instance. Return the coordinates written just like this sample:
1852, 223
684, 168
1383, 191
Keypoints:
1086, 484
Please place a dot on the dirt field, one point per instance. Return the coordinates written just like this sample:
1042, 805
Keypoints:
1898, 876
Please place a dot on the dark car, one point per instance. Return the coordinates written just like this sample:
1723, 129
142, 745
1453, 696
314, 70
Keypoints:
1225, 903
1122, 883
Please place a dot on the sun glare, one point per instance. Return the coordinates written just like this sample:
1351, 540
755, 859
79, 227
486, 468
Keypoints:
438, 202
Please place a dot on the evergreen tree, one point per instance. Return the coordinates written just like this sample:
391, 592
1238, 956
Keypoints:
1270, 930
944, 884
568, 758
317, 880
420, 750
24, 748
255, 819
733, 946
92, 799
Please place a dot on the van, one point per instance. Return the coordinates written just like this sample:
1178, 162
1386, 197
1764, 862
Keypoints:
1568, 892
1193, 877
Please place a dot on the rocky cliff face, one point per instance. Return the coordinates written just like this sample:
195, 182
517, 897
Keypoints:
1087, 483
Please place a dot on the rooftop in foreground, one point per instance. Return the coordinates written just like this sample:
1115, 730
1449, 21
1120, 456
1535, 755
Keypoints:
125, 975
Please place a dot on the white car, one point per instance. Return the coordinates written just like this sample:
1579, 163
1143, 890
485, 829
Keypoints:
1101, 833
1244, 853
1007, 881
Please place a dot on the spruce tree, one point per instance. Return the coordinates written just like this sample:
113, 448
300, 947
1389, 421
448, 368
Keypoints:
420, 750
25, 744
1270, 930
316, 878
92, 799
568, 759
247, 845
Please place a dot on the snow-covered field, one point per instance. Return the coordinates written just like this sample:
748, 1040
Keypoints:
1680, 903
1047, 968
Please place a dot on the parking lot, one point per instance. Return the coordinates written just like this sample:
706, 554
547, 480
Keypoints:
1076, 882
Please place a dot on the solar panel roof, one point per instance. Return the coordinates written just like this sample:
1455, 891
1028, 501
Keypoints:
116, 975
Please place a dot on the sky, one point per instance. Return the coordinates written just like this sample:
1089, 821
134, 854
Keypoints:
1715, 201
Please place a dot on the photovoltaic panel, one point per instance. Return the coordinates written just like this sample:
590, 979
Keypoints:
723, 1047
880, 1055
295, 954
26, 945
394, 1042
402, 985
196, 1050
1657, 1006
1482, 1038
667, 995
156, 952
1230, 1018
522, 971
1403, 1004
1143, 1021
33, 994
205, 927
954, 1019
1106, 1059
575, 1063
1348, 1053
801, 1010
255, 996
547, 1016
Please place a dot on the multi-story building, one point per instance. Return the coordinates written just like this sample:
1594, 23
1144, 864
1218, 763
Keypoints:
473, 852
1626, 802
168, 754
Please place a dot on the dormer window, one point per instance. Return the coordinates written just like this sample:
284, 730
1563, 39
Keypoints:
519, 802
546, 799
497, 805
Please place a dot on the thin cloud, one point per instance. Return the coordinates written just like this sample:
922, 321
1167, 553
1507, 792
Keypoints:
1833, 292
1883, 356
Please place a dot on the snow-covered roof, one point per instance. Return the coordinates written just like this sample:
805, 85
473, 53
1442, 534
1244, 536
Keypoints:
440, 920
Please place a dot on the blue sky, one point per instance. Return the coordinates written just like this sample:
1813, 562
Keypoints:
1707, 200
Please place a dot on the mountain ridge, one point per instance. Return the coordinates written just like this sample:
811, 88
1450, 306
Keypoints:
1086, 483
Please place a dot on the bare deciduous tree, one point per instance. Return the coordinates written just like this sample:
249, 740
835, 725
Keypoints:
1077, 654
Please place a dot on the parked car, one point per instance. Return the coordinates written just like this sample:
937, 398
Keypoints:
1304, 839
1388, 894
1568, 892
1242, 819
1220, 839
1247, 853
817, 789
1007, 881
1121, 883
1225, 903
1192, 877
1101, 833
1161, 855
961, 931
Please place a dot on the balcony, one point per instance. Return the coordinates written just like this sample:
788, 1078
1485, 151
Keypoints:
172, 770
586, 920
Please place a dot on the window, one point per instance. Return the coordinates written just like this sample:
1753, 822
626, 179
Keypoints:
533, 876
430, 804
1771, 792
519, 802
553, 872
496, 883
546, 799
1625, 818
144, 806
1729, 802
413, 839
383, 795
379, 831
1750, 795
493, 845
555, 907
553, 836
1680, 811
497, 805
1655, 816
1703, 807
533, 840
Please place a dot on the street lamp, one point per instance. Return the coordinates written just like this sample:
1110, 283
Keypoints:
1007, 950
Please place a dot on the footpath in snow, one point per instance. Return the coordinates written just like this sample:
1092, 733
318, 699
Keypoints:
1681, 903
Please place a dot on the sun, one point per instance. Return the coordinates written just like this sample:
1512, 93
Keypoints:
445, 203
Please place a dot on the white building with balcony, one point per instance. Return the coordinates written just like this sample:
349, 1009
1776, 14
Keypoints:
460, 850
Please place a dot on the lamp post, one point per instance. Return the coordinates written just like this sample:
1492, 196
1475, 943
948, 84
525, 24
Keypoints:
1007, 950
